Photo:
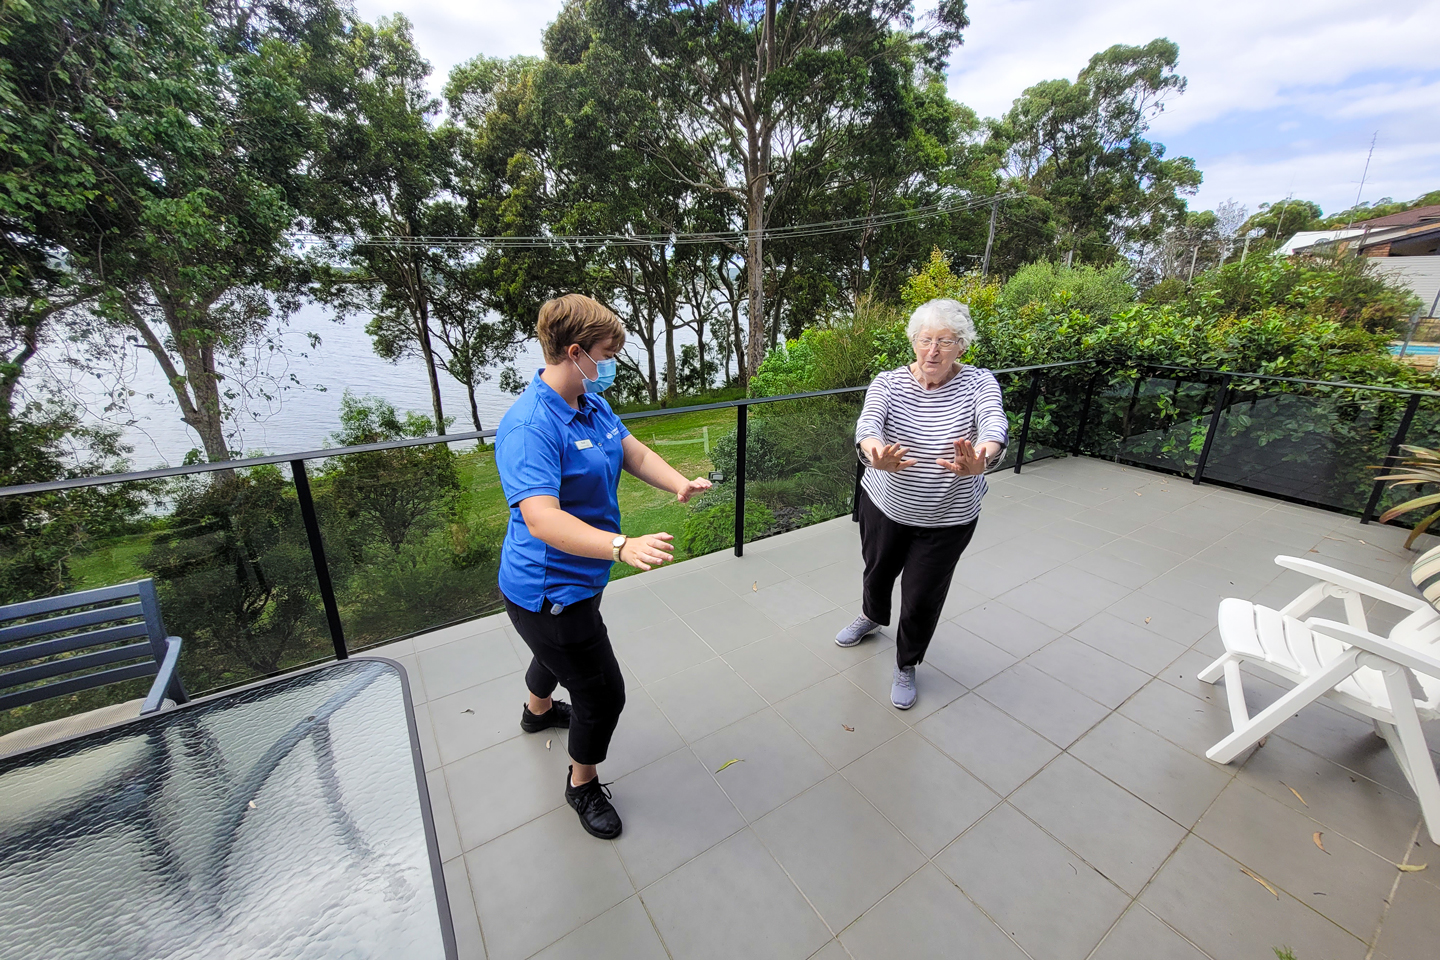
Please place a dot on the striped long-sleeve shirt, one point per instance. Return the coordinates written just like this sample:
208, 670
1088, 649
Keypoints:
898, 410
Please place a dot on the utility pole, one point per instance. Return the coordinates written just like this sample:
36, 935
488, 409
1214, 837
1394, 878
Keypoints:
1247, 247
1194, 252
990, 238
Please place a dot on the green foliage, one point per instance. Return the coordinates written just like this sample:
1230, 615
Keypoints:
766, 457
835, 354
236, 579
1281, 220
388, 496
1081, 147
43, 535
1420, 467
1099, 292
712, 528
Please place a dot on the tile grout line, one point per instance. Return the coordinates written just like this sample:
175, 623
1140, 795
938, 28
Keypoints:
1394, 888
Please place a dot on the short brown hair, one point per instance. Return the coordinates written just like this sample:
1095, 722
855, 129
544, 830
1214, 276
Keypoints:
575, 318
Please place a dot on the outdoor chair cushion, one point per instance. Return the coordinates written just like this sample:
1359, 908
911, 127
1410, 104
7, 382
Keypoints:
1425, 574
52, 730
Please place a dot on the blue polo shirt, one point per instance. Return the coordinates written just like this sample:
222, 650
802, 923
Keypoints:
545, 447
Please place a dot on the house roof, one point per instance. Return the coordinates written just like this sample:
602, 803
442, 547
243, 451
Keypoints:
1404, 218
1308, 238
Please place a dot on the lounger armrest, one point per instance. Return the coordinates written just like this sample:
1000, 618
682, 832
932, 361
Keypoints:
156, 697
1351, 582
1381, 647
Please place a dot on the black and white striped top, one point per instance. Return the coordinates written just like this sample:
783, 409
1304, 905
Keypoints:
898, 410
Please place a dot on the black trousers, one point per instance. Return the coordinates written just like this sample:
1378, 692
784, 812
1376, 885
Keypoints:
572, 648
927, 556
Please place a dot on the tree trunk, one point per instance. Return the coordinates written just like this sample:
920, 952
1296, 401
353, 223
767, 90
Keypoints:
422, 331
755, 271
12, 367
474, 410
670, 373
741, 366
757, 170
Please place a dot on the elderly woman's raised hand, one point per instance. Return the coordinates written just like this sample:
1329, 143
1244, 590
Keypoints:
890, 458
968, 462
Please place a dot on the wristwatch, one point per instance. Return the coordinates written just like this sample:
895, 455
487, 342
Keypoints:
617, 545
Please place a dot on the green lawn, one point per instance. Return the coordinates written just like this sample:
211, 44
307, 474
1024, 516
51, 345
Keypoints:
112, 562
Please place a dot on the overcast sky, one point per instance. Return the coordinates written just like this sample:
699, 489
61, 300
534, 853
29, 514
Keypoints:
1284, 96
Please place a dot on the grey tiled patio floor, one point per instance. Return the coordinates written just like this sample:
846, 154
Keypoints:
1048, 796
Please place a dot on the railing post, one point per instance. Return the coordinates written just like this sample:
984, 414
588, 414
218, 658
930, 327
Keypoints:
741, 433
317, 555
1221, 396
855, 497
1084, 414
1025, 424
1395, 444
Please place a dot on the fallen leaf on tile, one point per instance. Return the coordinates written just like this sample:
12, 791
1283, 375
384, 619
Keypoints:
252, 804
467, 710
1313, 550
755, 586
1262, 883
730, 762
1147, 619
1316, 837
1294, 791
1263, 740
1412, 867
848, 728
1362, 541
547, 744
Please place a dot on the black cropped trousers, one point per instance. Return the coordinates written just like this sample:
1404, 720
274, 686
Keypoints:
927, 558
572, 648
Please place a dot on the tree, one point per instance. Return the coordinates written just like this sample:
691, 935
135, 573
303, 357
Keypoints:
205, 184
383, 185
1281, 220
386, 495
753, 95
1081, 147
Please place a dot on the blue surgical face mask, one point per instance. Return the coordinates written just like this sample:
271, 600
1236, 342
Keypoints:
604, 374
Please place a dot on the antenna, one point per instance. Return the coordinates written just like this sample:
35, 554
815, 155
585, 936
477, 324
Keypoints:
1363, 175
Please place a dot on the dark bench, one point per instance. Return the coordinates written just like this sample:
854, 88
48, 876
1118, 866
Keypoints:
78, 641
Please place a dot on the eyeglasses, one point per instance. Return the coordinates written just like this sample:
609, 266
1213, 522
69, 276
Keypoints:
925, 343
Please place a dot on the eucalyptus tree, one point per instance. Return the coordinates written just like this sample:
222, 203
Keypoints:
1080, 146
384, 185
752, 95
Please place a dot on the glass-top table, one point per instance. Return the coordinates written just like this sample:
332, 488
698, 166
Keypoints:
287, 819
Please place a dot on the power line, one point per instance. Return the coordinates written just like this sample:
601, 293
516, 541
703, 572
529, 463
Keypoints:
795, 231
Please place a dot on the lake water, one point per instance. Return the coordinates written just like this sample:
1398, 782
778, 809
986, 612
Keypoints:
306, 385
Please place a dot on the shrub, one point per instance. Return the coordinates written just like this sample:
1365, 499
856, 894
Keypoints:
713, 528
1097, 292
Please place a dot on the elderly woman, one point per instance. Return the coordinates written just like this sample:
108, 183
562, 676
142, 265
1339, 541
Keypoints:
926, 433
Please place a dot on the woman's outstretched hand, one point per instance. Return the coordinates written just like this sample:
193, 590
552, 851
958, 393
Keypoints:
968, 462
891, 458
692, 487
648, 551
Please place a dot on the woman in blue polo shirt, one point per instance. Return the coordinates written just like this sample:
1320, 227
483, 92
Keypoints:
560, 450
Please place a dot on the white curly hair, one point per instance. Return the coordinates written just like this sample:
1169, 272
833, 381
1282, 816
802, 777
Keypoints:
949, 315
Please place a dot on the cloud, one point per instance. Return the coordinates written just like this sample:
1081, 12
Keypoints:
449, 32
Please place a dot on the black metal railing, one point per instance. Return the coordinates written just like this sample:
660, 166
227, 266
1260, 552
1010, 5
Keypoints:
1310, 442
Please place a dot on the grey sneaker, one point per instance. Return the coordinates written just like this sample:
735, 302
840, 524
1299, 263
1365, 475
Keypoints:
902, 688
857, 631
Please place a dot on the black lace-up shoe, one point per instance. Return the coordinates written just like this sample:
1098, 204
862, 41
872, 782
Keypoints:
557, 716
592, 801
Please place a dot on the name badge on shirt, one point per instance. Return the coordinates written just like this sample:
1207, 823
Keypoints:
583, 444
